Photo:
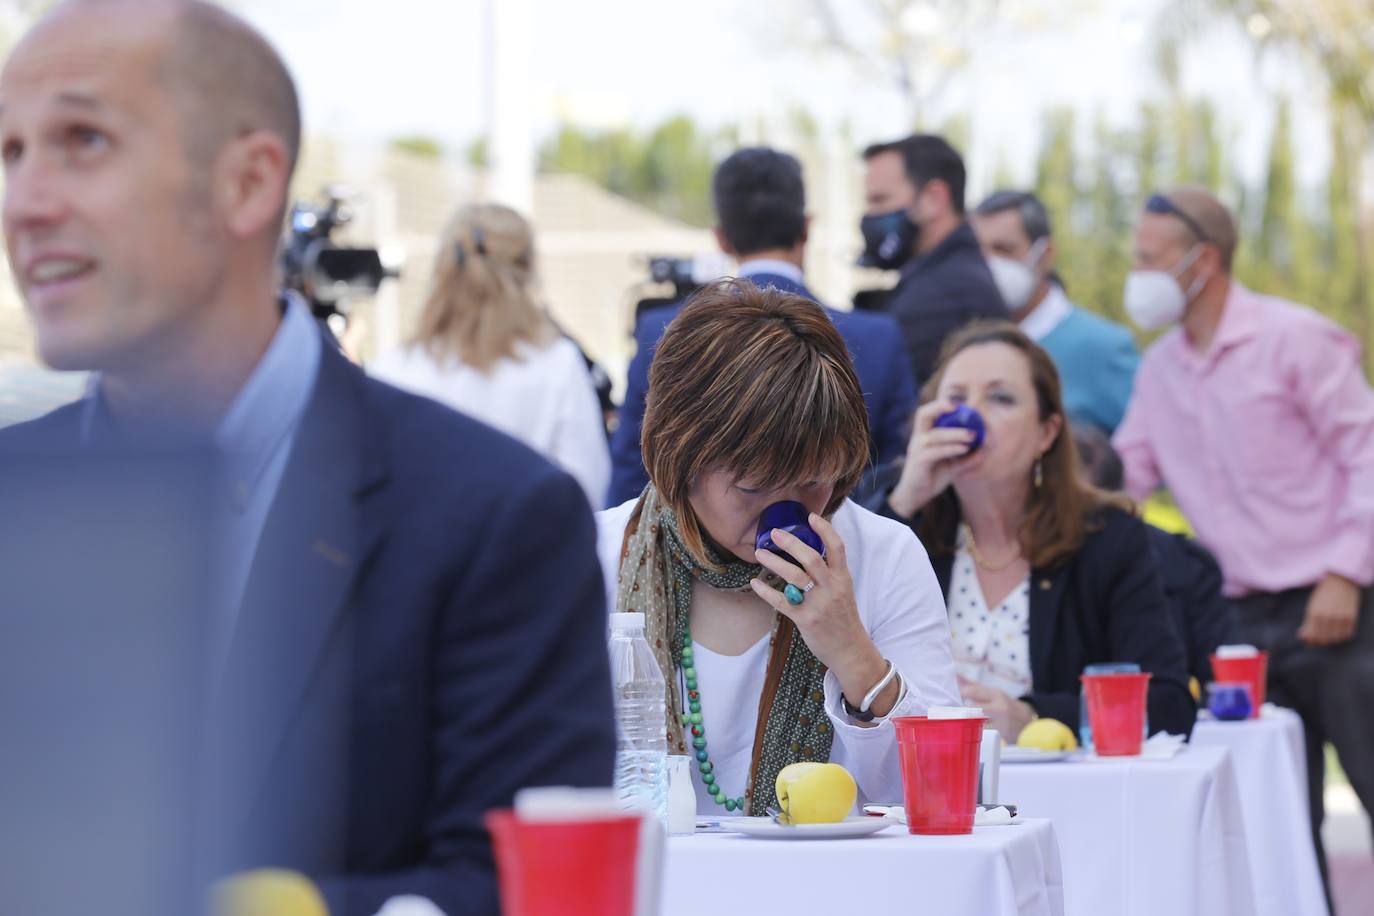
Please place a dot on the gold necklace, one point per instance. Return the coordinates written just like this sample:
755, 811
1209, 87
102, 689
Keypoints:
978, 556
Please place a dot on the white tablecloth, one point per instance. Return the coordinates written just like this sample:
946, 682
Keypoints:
995, 871
1142, 837
1271, 768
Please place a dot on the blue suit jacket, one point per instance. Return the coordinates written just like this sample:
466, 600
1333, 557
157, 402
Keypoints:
880, 361
423, 633
1097, 360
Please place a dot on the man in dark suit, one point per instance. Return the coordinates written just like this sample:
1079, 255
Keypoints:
914, 222
760, 201
410, 617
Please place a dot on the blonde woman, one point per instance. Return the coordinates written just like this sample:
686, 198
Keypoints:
484, 346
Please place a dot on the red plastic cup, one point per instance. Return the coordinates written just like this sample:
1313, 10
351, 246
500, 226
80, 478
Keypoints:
939, 772
1252, 672
565, 868
1116, 711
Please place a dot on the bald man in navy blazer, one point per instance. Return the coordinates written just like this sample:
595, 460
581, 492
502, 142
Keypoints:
409, 624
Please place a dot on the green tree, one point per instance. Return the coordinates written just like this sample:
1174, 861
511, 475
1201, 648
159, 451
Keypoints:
668, 169
418, 145
1336, 40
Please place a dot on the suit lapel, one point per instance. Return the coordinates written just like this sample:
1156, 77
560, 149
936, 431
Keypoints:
308, 557
1046, 600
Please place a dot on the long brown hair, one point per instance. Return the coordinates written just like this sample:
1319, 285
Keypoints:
756, 382
481, 301
1061, 511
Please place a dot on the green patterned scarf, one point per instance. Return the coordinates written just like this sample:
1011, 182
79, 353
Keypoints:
656, 573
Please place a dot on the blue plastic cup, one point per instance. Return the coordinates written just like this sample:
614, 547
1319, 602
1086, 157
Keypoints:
792, 517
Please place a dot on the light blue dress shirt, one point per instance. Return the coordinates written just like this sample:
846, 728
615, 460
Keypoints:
254, 442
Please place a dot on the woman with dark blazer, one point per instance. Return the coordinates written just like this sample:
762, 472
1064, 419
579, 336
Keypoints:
1043, 574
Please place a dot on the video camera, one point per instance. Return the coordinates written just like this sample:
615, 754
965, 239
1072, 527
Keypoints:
329, 276
686, 275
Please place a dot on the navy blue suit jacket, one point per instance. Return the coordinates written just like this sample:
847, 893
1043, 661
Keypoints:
423, 633
940, 292
880, 361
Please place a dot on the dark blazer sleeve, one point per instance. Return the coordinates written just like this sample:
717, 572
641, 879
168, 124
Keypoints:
1192, 584
893, 427
521, 694
628, 476
1121, 584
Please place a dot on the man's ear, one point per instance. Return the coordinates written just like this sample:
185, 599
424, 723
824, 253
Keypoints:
1210, 259
251, 176
937, 190
1049, 255
723, 242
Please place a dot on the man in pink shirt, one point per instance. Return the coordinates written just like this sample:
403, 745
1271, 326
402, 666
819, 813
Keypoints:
1256, 415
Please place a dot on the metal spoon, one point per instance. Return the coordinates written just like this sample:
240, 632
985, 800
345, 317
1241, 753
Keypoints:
779, 817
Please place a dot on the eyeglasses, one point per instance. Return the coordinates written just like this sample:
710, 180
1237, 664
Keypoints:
1158, 203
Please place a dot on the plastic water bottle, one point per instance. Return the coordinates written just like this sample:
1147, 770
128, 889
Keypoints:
641, 756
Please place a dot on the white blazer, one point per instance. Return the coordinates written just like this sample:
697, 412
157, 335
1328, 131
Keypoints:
545, 399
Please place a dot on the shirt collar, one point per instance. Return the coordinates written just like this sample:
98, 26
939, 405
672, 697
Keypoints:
267, 408
1048, 315
784, 269
271, 403
1241, 319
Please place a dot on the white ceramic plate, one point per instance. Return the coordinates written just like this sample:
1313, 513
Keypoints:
1031, 755
849, 827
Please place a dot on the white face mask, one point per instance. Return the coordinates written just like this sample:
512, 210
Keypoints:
1017, 280
1153, 298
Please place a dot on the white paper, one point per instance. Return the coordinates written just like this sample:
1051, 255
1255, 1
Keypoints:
561, 803
955, 712
1237, 651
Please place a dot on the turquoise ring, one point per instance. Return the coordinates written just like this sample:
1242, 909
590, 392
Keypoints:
794, 595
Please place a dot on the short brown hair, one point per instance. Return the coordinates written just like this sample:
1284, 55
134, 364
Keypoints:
757, 382
1203, 207
1061, 511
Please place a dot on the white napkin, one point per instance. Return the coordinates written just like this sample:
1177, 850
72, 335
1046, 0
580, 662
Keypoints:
410, 906
1159, 746
1241, 650
1162, 746
990, 817
954, 712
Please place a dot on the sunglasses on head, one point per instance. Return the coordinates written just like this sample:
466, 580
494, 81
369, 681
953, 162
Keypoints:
1158, 203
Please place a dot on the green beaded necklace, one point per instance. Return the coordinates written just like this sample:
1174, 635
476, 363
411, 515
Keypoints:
692, 720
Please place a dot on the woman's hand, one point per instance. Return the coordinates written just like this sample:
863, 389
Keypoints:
932, 456
1005, 713
828, 617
